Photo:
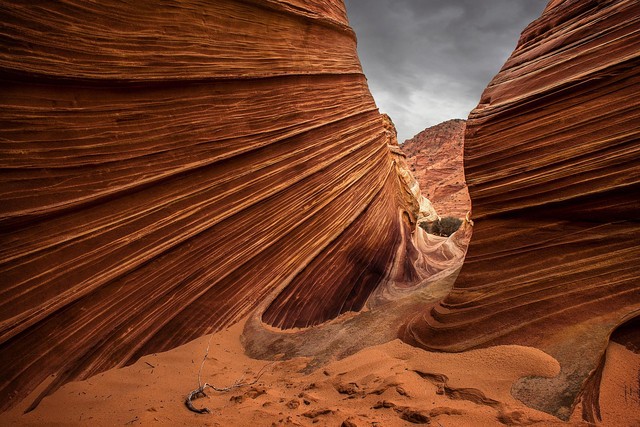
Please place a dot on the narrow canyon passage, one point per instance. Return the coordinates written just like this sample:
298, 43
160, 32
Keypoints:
182, 170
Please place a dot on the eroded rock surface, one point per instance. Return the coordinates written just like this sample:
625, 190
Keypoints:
553, 165
434, 157
168, 167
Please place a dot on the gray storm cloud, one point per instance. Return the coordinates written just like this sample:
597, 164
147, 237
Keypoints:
428, 61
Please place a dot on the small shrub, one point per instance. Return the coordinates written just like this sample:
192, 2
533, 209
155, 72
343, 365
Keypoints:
445, 227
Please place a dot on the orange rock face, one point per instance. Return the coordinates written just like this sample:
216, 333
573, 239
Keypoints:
167, 168
553, 166
435, 159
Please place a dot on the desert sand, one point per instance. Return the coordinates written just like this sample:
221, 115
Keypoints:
619, 397
392, 384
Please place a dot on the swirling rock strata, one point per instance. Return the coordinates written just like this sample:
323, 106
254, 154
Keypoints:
168, 167
552, 161
434, 157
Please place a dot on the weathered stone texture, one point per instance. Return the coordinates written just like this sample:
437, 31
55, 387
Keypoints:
552, 161
435, 157
166, 167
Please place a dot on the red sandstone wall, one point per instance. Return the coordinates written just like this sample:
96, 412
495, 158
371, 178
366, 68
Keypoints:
166, 167
435, 158
553, 166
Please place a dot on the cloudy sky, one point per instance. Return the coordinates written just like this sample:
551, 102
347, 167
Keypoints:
428, 61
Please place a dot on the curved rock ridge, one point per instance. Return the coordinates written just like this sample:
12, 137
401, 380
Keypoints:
166, 168
411, 191
142, 42
435, 158
381, 237
610, 389
552, 161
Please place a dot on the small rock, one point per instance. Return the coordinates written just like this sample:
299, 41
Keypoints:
384, 404
293, 404
350, 389
348, 423
414, 416
515, 418
317, 412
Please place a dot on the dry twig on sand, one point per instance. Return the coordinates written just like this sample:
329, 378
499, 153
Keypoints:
199, 392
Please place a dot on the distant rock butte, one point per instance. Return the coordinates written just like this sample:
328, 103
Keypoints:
168, 168
434, 157
552, 161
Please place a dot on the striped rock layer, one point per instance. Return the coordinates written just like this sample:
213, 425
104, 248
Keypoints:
435, 158
166, 167
552, 160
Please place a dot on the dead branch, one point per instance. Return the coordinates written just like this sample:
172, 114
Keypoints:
200, 391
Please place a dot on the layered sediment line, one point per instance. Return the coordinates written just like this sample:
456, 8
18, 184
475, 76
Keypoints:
552, 161
168, 167
435, 158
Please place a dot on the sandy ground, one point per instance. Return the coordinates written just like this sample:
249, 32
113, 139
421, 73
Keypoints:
392, 384
620, 388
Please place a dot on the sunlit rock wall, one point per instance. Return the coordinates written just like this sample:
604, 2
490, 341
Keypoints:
435, 159
166, 166
552, 159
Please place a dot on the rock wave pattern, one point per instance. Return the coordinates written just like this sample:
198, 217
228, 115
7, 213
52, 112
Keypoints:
435, 157
168, 166
552, 160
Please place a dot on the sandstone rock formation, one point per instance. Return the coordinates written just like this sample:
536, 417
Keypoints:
424, 207
434, 157
553, 165
168, 167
